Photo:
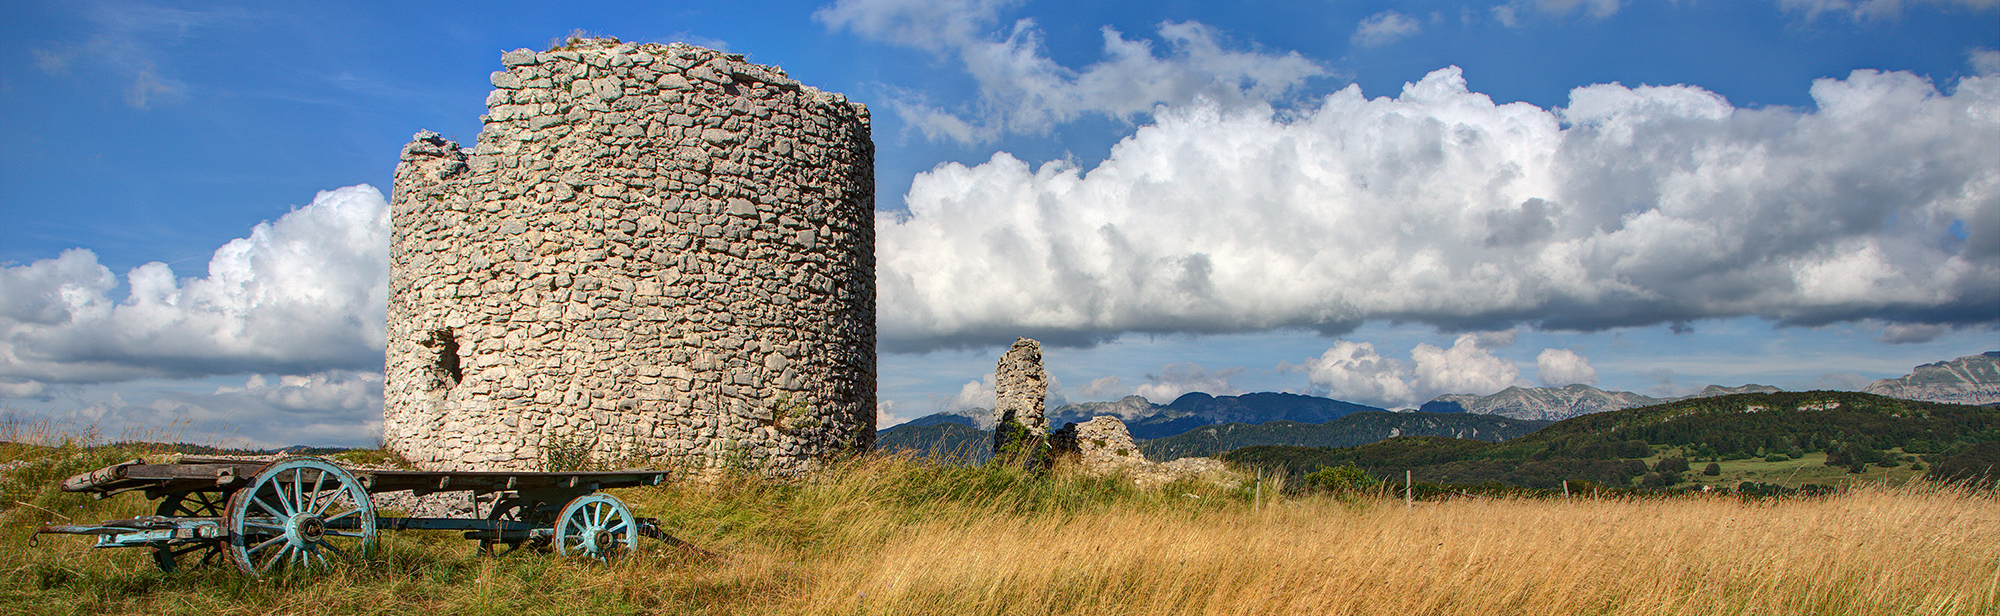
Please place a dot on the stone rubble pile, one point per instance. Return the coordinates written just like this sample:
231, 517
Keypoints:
1103, 446
655, 254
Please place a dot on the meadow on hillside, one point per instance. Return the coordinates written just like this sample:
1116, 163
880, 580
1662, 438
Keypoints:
892, 535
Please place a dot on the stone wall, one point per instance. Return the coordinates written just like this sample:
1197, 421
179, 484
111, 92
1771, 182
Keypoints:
656, 254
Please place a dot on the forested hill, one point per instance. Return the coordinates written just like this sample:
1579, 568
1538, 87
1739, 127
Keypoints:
1355, 429
1746, 423
1846, 429
951, 440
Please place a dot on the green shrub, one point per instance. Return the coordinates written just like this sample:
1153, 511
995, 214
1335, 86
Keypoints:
1340, 479
1776, 457
1671, 465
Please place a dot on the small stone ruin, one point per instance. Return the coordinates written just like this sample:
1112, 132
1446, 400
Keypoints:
1020, 422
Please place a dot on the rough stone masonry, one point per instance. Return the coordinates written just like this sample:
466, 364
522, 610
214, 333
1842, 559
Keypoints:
656, 254
1020, 421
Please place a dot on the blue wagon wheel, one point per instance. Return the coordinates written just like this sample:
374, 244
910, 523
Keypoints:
596, 525
299, 512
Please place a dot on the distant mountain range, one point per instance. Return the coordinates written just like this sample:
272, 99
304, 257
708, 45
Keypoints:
1150, 421
955, 436
1559, 403
1973, 379
955, 432
1242, 421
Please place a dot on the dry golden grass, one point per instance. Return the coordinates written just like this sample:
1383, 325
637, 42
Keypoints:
1872, 551
894, 536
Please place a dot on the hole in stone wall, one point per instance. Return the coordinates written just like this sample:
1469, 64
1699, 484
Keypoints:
732, 89
445, 372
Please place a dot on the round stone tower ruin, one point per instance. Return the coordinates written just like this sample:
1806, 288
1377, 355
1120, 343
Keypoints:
656, 254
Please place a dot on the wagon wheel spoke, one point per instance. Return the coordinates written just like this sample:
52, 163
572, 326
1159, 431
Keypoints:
211, 503
298, 485
267, 507
278, 557
344, 514
196, 504
335, 549
267, 543
316, 508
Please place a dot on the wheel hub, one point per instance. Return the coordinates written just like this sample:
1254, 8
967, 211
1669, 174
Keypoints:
310, 528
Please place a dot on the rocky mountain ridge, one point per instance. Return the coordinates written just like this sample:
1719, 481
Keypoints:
1559, 403
1973, 379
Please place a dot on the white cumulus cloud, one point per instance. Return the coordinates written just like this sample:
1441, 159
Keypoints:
304, 294
1559, 367
1355, 372
1384, 28
1022, 90
976, 394
1631, 206
1175, 380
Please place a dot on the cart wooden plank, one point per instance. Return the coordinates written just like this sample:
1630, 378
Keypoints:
213, 474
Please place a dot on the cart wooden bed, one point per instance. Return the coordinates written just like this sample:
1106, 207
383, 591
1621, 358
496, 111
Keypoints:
268, 515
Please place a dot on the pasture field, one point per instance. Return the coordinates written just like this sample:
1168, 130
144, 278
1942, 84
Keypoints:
1810, 468
886, 535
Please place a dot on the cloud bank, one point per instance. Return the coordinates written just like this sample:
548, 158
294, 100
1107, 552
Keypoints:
1355, 372
335, 407
1631, 206
1020, 89
304, 294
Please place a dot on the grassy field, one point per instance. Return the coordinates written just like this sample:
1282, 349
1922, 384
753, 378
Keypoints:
895, 536
1792, 473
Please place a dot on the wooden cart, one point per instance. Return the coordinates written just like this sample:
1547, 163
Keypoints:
265, 515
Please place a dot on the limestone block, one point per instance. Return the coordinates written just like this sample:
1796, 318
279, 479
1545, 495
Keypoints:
519, 57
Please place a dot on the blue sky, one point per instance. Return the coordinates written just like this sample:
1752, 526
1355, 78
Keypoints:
1376, 201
